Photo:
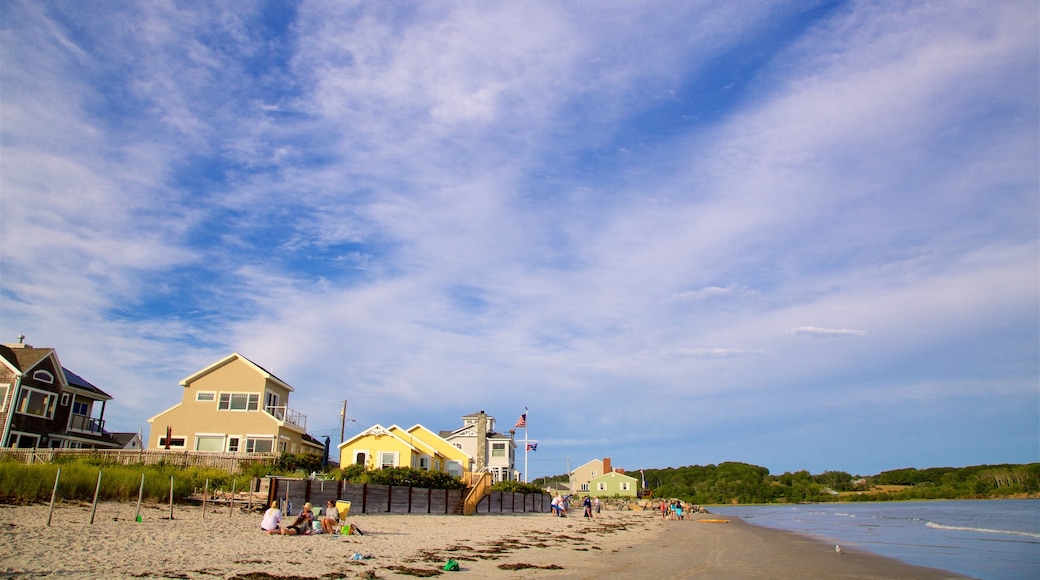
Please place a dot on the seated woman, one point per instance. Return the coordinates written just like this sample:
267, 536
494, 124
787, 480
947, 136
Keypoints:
302, 525
330, 521
272, 517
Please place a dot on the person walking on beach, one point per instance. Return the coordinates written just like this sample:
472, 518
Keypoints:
596, 503
588, 507
664, 510
555, 506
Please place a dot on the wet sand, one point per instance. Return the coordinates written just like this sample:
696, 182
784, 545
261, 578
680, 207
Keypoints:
230, 545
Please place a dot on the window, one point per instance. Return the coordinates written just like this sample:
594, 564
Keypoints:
424, 462
64, 399
37, 403
584, 487
232, 444
24, 440
360, 458
80, 408
602, 486
177, 442
624, 486
44, 377
203, 396
387, 459
498, 450
454, 469
271, 401
239, 402
209, 443
259, 445
3, 395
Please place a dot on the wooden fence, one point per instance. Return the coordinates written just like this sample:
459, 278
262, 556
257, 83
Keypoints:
230, 462
366, 498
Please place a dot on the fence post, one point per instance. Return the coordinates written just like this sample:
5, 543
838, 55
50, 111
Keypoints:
97, 488
364, 498
171, 497
231, 502
205, 496
53, 493
140, 492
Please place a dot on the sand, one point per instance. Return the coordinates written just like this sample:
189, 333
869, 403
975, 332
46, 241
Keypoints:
230, 545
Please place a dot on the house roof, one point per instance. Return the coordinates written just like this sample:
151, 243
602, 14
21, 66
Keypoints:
613, 475
264, 372
378, 431
82, 384
22, 358
124, 438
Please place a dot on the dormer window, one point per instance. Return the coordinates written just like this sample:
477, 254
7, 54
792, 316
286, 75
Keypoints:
43, 377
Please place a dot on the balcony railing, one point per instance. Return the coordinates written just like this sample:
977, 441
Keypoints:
87, 424
283, 413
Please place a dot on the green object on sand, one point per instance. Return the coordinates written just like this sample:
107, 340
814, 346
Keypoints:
139, 517
452, 566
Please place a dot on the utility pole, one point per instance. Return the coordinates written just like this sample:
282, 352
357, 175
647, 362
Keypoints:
343, 421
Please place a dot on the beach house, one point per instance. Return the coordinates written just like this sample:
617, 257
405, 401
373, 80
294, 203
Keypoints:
233, 405
489, 448
613, 484
417, 447
43, 404
583, 474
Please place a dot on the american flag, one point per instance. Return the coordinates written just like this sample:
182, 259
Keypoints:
532, 447
522, 421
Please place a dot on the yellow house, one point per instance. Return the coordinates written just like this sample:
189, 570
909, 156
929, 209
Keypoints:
381, 447
235, 406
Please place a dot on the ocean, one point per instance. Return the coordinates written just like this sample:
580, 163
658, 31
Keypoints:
996, 539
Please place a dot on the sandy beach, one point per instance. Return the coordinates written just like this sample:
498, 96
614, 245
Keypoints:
223, 544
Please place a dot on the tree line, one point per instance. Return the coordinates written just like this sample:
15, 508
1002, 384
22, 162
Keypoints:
735, 482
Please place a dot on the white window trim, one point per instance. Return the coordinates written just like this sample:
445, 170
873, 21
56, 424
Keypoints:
241, 443
397, 458
20, 434
210, 436
212, 397
231, 395
43, 376
6, 388
25, 389
602, 486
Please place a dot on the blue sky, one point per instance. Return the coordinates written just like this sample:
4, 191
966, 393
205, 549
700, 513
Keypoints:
801, 235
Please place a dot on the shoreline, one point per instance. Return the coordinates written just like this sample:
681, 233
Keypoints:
230, 545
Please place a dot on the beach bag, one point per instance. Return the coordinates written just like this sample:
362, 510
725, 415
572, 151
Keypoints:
451, 566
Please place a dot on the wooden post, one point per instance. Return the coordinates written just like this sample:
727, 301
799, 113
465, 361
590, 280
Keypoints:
54, 492
231, 502
140, 493
97, 488
205, 496
171, 497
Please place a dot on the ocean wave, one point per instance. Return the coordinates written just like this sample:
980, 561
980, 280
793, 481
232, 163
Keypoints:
981, 530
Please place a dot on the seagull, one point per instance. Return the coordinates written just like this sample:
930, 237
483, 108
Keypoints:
837, 549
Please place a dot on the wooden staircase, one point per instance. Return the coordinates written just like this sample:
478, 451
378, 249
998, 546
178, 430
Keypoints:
477, 486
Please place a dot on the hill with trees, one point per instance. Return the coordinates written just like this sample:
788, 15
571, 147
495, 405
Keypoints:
734, 482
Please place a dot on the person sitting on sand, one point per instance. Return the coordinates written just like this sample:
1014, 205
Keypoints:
302, 525
330, 521
272, 517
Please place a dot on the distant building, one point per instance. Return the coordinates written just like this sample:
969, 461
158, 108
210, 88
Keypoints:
417, 447
43, 404
613, 484
129, 440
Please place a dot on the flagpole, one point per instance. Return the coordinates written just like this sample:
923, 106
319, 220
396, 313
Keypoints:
527, 446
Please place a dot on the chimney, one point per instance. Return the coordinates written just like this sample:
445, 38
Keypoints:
606, 465
481, 440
